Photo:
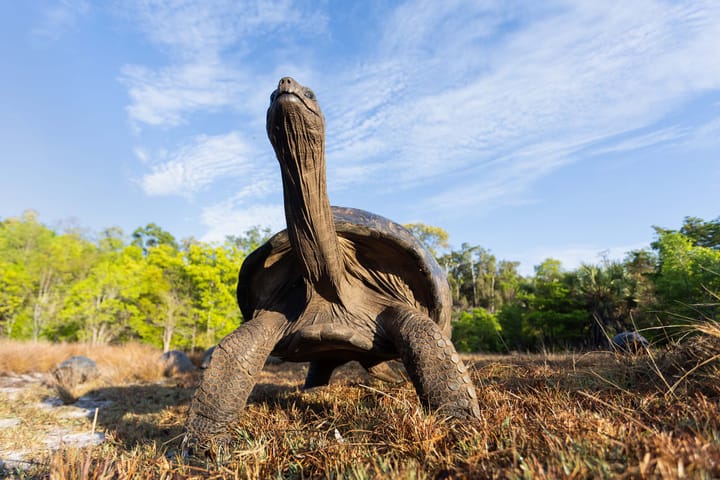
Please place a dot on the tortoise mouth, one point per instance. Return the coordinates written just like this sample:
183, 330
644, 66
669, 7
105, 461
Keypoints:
291, 98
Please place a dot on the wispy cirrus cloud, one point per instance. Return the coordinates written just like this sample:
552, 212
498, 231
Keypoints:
164, 97
192, 167
197, 37
669, 135
564, 75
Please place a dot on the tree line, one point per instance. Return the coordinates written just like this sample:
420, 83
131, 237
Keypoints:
110, 288
671, 284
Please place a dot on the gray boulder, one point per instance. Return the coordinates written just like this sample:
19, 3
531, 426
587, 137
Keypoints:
630, 342
76, 370
207, 356
176, 362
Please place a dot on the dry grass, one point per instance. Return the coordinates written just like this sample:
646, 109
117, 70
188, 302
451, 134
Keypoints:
118, 364
597, 415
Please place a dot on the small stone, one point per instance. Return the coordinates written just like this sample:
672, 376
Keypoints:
9, 422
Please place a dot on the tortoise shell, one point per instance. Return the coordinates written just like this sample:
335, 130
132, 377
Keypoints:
387, 257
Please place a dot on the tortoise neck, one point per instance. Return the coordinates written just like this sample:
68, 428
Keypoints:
310, 223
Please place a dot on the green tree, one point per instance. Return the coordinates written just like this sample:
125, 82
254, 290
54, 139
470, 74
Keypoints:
687, 277
555, 318
702, 233
605, 290
46, 263
151, 235
14, 292
165, 300
435, 239
477, 330
250, 240
212, 271
99, 308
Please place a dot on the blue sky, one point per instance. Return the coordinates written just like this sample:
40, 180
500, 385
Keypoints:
534, 129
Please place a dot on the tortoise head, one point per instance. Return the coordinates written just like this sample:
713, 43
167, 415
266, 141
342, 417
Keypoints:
295, 125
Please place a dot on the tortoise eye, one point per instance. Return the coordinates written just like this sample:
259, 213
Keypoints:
309, 94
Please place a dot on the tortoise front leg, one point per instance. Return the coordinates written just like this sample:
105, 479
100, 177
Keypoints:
229, 379
441, 379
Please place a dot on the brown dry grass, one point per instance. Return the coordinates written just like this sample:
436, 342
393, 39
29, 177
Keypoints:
597, 415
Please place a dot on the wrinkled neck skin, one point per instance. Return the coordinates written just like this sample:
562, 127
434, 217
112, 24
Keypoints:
300, 149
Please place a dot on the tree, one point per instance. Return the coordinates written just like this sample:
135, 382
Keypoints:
605, 290
702, 233
151, 236
212, 271
687, 278
46, 263
250, 240
165, 299
99, 307
14, 293
434, 238
554, 316
477, 330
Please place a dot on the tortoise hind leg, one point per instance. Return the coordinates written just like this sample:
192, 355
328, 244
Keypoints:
440, 377
320, 372
383, 371
229, 379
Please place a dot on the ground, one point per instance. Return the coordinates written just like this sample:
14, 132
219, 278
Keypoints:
591, 415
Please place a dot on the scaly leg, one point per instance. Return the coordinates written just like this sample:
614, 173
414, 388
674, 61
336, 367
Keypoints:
441, 379
320, 372
229, 379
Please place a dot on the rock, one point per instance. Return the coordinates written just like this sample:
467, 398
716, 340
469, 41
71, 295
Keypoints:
207, 356
9, 422
630, 342
62, 438
75, 370
176, 362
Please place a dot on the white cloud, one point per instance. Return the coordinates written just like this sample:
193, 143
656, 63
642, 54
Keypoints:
198, 36
191, 28
165, 96
193, 167
232, 218
661, 136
